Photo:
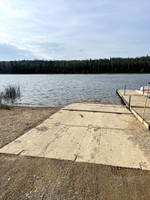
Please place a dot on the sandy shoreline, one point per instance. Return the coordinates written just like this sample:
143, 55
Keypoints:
18, 120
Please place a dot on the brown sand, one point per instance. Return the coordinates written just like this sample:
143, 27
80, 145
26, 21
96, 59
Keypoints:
18, 120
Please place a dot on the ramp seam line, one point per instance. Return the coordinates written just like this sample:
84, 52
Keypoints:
97, 111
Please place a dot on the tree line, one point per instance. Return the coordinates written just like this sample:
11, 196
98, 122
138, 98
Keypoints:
112, 65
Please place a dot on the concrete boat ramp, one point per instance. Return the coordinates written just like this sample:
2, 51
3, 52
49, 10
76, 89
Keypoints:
81, 132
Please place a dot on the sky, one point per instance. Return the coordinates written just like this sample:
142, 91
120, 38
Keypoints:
74, 29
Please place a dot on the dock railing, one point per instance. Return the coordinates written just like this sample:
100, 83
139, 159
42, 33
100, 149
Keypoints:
145, 102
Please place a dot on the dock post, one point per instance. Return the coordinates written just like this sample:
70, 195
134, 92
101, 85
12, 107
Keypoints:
129, 102
145, 102
124, 90
1, 98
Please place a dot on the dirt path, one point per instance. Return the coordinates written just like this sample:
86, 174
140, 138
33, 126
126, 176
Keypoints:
47, 179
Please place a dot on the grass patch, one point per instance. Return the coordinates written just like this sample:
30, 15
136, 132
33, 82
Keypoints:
6, 107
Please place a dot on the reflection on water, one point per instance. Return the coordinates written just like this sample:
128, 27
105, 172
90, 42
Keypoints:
60, 90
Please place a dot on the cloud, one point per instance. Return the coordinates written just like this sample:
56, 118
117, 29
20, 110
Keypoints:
45, 50
10, 52
49, 46
60, 29
81, 50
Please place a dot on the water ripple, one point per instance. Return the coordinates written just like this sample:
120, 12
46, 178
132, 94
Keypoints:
61, 90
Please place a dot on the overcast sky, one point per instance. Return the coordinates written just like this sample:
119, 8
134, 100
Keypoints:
74, 29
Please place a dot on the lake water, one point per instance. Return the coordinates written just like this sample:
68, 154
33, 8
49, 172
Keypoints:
61, 90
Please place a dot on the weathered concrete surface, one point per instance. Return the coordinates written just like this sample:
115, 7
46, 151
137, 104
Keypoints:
94, 137
105, 108
80, 118
137, 105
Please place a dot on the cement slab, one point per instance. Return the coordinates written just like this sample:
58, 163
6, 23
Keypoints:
81, 144
112, 148
105, 108
82, 137
103, 120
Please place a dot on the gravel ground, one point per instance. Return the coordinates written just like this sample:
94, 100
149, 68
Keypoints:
48, 179
18, 120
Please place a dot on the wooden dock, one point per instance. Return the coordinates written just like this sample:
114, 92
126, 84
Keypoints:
135, 103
